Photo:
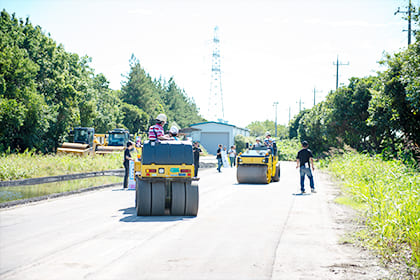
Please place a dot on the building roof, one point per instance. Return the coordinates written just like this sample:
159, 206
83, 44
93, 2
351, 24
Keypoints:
188, 130
219, 123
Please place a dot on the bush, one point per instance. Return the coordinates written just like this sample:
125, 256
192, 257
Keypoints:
288, 149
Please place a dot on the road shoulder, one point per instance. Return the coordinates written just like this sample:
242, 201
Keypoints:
313, 244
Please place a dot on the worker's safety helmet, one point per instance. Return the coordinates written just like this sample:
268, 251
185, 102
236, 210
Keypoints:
161, 118
173, 130
257, 139
267, 134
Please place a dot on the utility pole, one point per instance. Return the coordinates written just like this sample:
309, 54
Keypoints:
338, 64
315, 91
275, 123
289, 114
408, 12
300, 104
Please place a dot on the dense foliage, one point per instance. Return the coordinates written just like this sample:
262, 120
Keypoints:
377, 114
45, 91
259, 128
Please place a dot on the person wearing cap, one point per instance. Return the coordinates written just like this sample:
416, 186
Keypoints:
156, 132
258, 143
173, 133
305, 161
268, 138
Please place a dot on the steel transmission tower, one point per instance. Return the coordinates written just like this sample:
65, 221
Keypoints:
216, 108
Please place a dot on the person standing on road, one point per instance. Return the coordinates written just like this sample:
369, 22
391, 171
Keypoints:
232, 155
305, 160
225, 159
127, 158
196, 152
219, 158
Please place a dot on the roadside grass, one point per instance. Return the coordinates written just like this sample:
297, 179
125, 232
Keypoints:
387, 193
30, 164
288, 149
24, 192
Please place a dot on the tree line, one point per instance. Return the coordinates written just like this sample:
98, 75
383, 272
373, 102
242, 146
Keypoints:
377, 114
45, 91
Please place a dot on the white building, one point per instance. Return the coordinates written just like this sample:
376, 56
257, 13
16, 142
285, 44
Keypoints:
211, 134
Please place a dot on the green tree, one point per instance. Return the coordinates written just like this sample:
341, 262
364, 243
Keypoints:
135, 119
259, 128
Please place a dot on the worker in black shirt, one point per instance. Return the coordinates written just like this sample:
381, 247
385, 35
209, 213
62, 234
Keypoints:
196, 152
219, 157
305, 160
127, 158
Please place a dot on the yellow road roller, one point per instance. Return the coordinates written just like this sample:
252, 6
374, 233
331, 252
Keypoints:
116, 141
258, 165
165, 183
83, 142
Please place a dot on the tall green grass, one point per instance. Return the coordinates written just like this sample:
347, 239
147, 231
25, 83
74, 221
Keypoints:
24, 192
390, 192
30, 164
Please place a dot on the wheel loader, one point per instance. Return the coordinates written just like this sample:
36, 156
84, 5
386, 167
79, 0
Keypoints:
83, 142
165, 182
258, 165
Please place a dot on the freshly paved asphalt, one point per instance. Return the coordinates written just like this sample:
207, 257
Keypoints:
241, 232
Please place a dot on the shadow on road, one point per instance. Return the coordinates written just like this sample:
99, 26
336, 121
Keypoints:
251, 185
133, 218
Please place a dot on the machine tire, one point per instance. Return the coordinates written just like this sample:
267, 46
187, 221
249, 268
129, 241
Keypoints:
178, 199
276, 177
143, 198
158, 199
192, 197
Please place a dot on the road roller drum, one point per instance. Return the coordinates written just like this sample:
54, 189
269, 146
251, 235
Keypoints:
252, 174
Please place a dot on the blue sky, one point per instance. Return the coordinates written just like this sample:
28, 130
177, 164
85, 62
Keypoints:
270, 50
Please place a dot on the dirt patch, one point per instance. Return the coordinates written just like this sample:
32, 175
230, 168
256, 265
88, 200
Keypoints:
361, 263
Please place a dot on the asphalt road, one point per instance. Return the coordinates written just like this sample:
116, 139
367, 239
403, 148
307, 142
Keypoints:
241, 232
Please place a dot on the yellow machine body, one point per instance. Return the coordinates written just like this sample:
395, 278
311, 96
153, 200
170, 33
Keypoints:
257, 166
165, 182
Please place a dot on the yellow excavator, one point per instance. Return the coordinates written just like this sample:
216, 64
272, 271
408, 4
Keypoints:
258, 165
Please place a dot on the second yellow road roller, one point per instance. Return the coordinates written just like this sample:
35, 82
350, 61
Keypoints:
258, 165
